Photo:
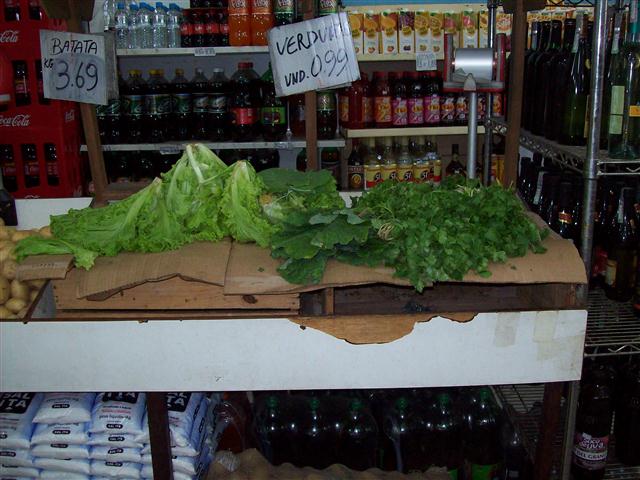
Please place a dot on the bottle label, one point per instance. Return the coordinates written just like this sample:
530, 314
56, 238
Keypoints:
133, 105
113, 107
496, 107
416, 111
31, 169
157, 104
485, 472
399, 113
217, 103
565, 217
326, 102
372, 176
634, 110
454, 474
382, 107
243, 116
181, 103
101, 111
21, 86
610, 272
432, 109
239, 7
599, 261
343, 109
462, 108
437, 172
355, 174
224, 27
200, 102
421, 172
389, 172
212, 28
273, 116
9, 170
261, 7
186, 29
327, 7
367, 109
589, 452
448, 109
283, 7
405, 172
616, 109
52, 169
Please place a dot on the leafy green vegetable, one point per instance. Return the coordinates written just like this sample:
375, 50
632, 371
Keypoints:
36, 245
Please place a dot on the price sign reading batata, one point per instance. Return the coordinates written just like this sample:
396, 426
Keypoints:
313, 55
74, 67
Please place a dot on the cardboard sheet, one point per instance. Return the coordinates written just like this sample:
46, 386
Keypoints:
44, 266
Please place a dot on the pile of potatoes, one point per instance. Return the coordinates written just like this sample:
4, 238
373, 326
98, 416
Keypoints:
15, 296
251, 465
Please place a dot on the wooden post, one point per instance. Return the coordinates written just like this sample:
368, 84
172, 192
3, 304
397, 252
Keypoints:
159, 439
89, 119
518, 41
549, 423
311, 130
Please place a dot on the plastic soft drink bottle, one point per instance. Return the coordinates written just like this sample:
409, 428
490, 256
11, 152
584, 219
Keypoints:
144, 26
276, 428
181, 106
359, 438
316, 438
122, 27
159, 27
273, 116
157, 103
404, 428
239, 23
261, 21
174, 19
244, 102
217, 108
200, 102
483, 448
133, 105
445, 448
284, 11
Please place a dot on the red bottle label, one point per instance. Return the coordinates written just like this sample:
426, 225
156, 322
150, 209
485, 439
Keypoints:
382, 109
416, 111
448, 109
52, 169
186, 29
9, 170
462, 108
589, 452
367, 109
21, 87
32, 169
343, 108
212, 28
224, 28
599, 266
399, 113
243, 116
432, 109
198, 28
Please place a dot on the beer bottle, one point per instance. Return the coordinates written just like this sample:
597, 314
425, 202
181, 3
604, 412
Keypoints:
30, 165
562, 222
41, 98
51, 162
622, 254
355, 168
455, 167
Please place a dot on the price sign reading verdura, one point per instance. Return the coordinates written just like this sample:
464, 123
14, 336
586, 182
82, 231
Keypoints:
313, 55
74, 67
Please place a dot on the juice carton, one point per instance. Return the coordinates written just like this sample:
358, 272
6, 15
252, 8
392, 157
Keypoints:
437, 33
451, 23
389, 32
483, 29
469, 29
421, 26
371, 33
503, 23
356, 23
406, 33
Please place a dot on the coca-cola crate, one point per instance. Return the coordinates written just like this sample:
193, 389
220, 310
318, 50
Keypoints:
65, 137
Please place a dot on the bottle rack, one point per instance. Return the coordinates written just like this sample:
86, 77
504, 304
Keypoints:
176, 147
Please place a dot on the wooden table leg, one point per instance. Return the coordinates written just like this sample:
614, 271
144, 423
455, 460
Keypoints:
549, 423
158, 418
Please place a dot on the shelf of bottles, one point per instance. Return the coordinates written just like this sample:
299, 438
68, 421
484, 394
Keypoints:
570, 157
174, 147
398, 57
407, 131
612, 327
199, 51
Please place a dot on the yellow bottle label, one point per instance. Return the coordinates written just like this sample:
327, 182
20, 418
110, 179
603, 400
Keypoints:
389, 172
405, 173
634, 110
610, 272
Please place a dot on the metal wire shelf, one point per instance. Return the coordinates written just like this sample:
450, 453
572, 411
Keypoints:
568, 156
612, 328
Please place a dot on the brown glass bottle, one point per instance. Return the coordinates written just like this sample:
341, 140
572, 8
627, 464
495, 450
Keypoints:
541, 78
528, 93
355, 168
562, 222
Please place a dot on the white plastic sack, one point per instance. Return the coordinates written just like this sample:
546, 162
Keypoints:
69, 433
53, 475
119, 412
115, 469
71, 466
16, 457
182, 408
124, 440
61, 451
65, 408
7, 471
16, 415
116, 454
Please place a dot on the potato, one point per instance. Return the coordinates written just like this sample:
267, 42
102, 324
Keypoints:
33, 295
45, 231
5, 313
6, 232
8, 269
19, 290
20, 235
6, 243
5, 290
15, 304
6, 253
36, 284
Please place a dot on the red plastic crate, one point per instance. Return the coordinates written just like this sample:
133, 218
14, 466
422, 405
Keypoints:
38, 123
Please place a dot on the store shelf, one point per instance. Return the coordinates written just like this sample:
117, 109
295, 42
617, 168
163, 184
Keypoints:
612, 328
568, 156
409, 131
398, 57
202, 51
174, 147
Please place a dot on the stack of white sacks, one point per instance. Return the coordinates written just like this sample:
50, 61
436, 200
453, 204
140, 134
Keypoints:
87, 436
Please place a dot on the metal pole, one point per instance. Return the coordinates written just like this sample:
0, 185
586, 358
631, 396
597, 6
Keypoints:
570, 426
492, 5
472, 137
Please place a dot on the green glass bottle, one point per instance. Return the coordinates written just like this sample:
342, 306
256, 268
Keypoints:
624, 117
577, 92
612, 65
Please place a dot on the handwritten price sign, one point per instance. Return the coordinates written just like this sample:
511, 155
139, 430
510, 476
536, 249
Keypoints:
74, 67
313, 55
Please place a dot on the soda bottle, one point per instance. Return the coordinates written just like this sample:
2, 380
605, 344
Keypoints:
448, 109
343, 106
277, 430
359, 437
404, 429
35, 10
8, 208
330, 160
483, 448
355, 168
432, 101
157, 103
30, 165
186, 32
41, 98
627, 423
223, 22
243, 102
316, 442
382, 100
326, 114
455, 167
593, 424
515, 455
198, 28
8, 168
261, 21
301, 161
297, 115
264, 159
368, 101
239, 23
118, 167
51, 163
462, 109
181, 106
133, 105
415, 101
200, 102
12, 10
405, 161
174, 26
399, 109
21, 83
284, 11
445, 434
144, 169
233, 415
217, 105
273, 115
